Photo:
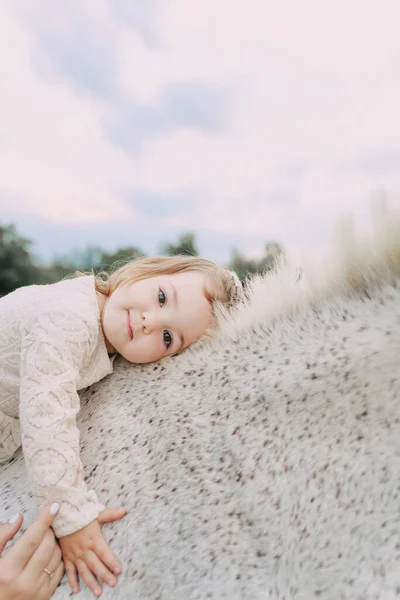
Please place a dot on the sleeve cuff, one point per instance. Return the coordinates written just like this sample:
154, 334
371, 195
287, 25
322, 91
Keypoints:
69, 519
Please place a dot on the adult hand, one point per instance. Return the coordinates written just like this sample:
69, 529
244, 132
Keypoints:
22, 568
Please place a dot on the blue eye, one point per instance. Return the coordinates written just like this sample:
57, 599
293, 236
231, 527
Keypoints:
161, 297
167, 337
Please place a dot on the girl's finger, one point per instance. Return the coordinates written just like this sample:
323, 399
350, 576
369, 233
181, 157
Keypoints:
89, 578
72, 575
8, 530
111, 514
20, 554
105, 554
100, 570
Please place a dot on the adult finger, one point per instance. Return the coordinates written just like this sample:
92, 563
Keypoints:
20, 554
41, 558
111, 514
54, 562
50, 584
8, 530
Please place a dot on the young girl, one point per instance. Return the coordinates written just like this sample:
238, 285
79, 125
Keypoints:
60, 338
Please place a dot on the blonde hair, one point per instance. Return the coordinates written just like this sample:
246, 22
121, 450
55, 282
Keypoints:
221, 287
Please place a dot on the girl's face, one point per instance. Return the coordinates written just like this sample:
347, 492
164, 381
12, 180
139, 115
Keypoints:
155, 317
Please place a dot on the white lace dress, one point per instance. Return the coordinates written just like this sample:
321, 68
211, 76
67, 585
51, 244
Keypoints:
51, 346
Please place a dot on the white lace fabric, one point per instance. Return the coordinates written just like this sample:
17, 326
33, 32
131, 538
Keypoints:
51, 346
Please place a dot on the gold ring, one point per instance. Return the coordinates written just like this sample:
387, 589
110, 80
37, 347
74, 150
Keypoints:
49, 573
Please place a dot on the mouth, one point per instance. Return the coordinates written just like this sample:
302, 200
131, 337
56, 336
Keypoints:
130, 332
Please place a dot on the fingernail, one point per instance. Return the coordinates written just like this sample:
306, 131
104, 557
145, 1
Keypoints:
14, 519
54, 508
117, 570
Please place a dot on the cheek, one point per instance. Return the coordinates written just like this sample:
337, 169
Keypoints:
111, 304
109, 316
146, 349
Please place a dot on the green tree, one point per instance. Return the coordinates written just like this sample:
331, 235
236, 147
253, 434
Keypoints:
241, 265
119, 257
93, 258
17, 267
244, 267
273, 252
186, 245
84, 260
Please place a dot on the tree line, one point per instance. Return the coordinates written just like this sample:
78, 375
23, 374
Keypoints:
19, 266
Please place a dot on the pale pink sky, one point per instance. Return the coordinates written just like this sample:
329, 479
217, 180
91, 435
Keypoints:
129, 122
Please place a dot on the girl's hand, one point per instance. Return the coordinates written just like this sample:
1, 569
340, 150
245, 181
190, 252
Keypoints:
86, 552
22, 574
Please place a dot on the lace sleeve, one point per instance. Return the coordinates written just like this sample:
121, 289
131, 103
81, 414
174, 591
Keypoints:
50, 358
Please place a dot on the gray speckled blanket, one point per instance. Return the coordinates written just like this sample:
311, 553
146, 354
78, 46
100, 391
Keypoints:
266, 466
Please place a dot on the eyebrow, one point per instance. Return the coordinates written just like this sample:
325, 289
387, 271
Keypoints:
175, 301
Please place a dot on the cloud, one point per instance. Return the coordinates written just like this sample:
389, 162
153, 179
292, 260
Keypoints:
71, 42
81, 58
55, 160
379, 163
140, 16
269, 119
159, 207
182, 105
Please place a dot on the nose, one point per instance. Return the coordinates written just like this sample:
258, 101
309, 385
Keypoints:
150, 321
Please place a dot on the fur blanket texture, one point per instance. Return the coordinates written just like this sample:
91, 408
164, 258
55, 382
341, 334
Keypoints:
264, 465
